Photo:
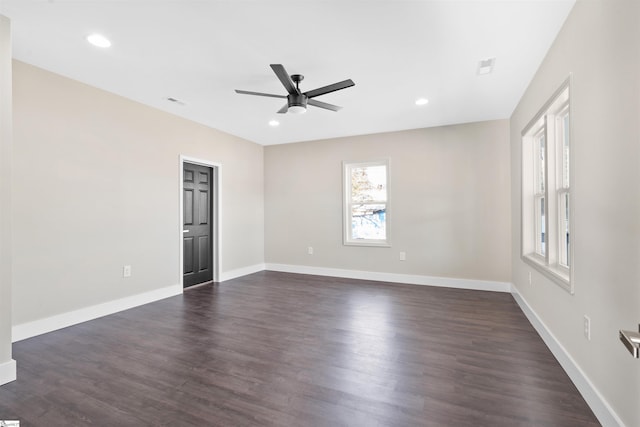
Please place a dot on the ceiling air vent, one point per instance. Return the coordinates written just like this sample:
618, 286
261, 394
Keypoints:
175, 101
485, 66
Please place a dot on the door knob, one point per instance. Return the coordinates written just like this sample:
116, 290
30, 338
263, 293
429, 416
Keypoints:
185, 231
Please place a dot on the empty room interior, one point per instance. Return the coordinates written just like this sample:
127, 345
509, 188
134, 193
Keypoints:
318, 213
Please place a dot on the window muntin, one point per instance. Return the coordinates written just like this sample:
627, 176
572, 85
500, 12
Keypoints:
366, 203
546, 192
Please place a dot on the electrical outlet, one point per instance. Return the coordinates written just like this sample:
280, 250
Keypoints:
587, 327
310, 250
126, 271
529, 277
403, 256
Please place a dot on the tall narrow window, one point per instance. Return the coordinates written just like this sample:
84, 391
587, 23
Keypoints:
546, 191
366, 203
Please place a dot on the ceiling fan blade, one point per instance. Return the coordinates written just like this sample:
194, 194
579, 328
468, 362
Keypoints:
324, 105
331, 88
284, 109
285, 79
246, 92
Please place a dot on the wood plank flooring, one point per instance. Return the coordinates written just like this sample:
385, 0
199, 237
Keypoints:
276, 349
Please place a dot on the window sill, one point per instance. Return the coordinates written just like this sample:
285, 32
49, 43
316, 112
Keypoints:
367, 243
559, 275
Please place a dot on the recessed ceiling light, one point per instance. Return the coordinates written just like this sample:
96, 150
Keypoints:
422, 101
98, 40
274, 123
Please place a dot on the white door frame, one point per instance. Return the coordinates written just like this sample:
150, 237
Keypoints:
217, 217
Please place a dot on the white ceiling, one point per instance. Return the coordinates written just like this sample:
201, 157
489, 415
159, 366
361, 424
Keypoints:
395, 51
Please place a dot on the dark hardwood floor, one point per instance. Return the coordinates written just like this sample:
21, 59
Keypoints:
294, 350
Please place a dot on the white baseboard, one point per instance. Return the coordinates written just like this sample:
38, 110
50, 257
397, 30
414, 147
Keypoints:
59, 321
7, 372
239, 272
50, 324
480, 285
600, 407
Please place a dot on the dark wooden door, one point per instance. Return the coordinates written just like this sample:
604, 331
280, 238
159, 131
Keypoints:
197, 231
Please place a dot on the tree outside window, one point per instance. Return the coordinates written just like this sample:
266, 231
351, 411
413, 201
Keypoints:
366, 203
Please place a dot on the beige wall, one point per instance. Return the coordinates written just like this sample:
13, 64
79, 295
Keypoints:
5, 192
96, 186
600, 45
449, 202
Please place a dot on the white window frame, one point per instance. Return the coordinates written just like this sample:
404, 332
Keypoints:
553, 262
348, 240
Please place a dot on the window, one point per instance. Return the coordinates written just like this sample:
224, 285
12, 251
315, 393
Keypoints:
546, 190
366, 203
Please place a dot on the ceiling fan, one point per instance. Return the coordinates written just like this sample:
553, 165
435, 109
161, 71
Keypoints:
297, 101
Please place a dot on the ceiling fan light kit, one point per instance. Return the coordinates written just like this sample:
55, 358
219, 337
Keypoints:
297, 109
297, 101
